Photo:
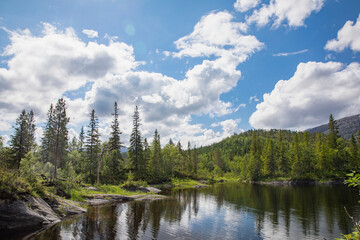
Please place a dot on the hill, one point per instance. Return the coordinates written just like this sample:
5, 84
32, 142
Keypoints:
347, 126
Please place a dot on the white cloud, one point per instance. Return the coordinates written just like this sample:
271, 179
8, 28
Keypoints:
308, 98
253, 99
291, 12
53, 63
90, 33
347, 37
289, 53
217, 35
241, 105
245, 5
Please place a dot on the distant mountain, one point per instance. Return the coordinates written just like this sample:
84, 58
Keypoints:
347, 126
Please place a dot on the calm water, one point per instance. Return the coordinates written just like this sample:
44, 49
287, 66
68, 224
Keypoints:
226, 211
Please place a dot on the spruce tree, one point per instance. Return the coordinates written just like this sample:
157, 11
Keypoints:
255, 165
81, 140
92, 147
136, 148
47, 141
155, 160
269, 158
354, 153
60, 121
115, 144
333, 132
23, 139
283, 163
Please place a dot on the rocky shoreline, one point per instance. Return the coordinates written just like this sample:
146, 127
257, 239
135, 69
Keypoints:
35, 213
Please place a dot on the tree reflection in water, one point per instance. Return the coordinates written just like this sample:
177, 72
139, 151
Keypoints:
231, 210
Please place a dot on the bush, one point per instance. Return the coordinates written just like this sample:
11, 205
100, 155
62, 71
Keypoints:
134, 184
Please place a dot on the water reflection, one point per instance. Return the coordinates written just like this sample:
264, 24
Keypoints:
229, 211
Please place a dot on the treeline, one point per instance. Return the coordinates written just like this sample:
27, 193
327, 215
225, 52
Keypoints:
259, 154
253, 155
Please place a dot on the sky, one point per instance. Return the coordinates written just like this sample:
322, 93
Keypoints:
199, 71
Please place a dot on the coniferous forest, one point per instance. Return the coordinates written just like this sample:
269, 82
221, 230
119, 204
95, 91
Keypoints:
252, 155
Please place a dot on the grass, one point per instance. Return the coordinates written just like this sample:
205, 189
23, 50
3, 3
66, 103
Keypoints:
80, 193
177, 183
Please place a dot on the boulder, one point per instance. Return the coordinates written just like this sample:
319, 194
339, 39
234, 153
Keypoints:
200, 186
149, 189
66, 208
92, 189
25, 214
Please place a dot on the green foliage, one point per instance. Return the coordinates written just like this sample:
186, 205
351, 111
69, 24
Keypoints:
134, 184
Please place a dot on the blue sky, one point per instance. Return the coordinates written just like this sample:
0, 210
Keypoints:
199, 70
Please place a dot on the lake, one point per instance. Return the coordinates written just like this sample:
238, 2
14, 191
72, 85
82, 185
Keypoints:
221, 211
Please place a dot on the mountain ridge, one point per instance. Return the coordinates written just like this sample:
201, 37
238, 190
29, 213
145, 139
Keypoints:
347, 126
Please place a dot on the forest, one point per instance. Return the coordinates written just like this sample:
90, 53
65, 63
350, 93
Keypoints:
252, 155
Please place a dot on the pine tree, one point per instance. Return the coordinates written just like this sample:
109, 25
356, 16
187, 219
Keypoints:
23, 139
115, 144
81, 140
255, 161
147, 156
333, 133
195, 161
60, 121
30, 141
92, 147
283, 163
297, 164
47, 141
269, 158
354, 153
155, 160
136, 148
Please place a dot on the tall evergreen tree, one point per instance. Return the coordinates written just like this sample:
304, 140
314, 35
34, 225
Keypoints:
333, 132
354, 153
93, 147
269, 158
283, 163
136, 148
60, 121
81, 140
255, 165
115, 144
23, 139
47, 141
156, 160
297, 164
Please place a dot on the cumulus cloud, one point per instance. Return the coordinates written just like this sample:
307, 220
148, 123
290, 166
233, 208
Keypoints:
216, 34
90, 33
290, 12
41, 68
245, 5
347, 37
308, 98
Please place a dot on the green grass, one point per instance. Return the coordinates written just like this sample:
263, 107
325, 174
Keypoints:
177, 183
80, 193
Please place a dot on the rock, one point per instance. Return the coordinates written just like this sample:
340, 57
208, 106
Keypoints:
149, 189
167, 186
26, 214
221, 181
148, 198
66, 207
99, 199
202, 181
200, 186
92, 189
